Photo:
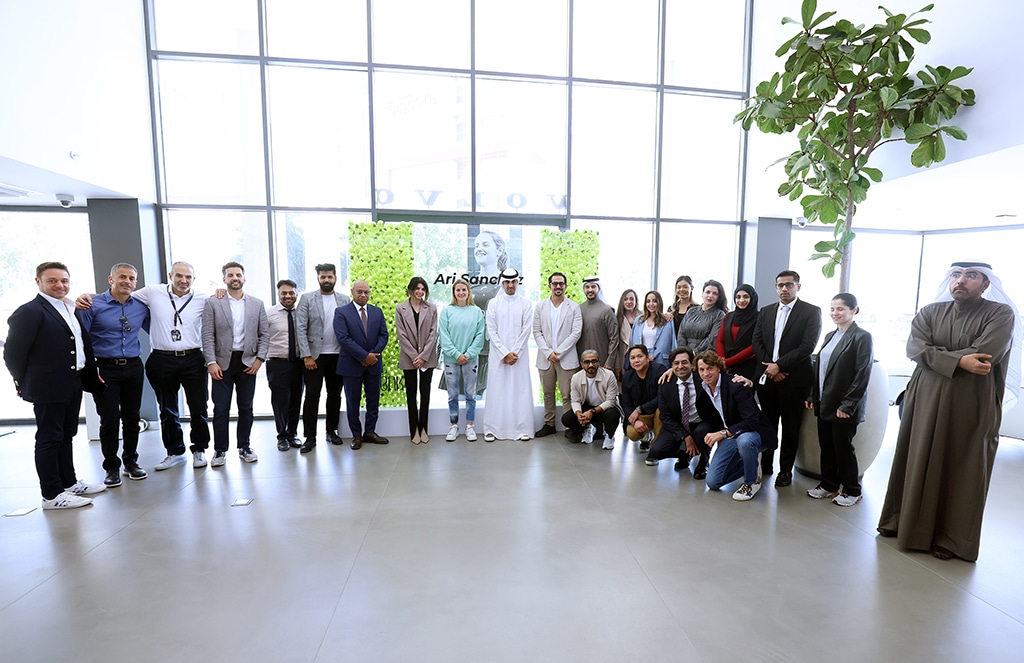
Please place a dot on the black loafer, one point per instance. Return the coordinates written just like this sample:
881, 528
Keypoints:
700, 475
335, 439
307, 446
283, 445
544, 431
784, 479
112, 479
296, 443
134, 472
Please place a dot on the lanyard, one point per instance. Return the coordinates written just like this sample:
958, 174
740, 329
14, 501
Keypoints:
177, 311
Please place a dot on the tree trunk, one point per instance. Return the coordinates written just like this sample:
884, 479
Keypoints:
844, 263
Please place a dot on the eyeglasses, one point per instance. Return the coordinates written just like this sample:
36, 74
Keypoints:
124, 324
557, 284
788, 285
967, 276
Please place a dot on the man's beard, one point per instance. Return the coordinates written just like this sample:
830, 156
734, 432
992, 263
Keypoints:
327, 287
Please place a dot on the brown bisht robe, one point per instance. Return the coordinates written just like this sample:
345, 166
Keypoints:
950, 429
600, 330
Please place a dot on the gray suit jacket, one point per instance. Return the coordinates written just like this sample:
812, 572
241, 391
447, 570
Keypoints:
218, 335
563, 340
309, 322
416, 342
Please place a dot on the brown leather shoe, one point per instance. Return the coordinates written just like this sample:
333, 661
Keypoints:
357, 442
373, 438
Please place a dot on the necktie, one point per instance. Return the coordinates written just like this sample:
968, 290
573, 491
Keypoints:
686, 406
291, 336
780, 326
362, 316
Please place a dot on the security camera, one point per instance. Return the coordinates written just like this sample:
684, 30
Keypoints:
65, 199
801, 222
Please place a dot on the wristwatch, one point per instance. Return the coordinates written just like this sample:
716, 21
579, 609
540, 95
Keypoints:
724, 432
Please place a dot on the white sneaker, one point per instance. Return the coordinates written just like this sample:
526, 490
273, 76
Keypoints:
471, 433
66, 500
82, 488
524, 438
248, 455
650, 462
219, 458
489, 437
453, 432
819, 493
198, 459
746, 492
588, 434
169, 462
846, 500
609, 443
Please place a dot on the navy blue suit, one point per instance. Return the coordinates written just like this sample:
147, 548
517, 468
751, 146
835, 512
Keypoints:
355, 346
41, 355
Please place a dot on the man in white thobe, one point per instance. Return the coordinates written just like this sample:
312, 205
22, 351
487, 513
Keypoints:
509, 412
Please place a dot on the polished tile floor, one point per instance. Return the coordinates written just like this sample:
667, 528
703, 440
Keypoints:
539, 551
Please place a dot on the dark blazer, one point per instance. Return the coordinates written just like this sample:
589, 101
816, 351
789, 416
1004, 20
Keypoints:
670, 410
846, 377
41, 356
355, 345
741, 412
638, 393
797, 343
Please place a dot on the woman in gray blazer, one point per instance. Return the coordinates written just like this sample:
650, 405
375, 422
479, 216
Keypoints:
843, 369
416, 326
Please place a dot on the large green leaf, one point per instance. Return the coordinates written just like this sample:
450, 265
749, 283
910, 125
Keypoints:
889, 97
919, 35
923, 154
918, 131
955, 132
807, 10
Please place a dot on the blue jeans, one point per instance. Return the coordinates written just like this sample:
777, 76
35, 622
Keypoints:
455, 373
736, 457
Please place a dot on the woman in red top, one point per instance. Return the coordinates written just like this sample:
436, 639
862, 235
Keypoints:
735, 336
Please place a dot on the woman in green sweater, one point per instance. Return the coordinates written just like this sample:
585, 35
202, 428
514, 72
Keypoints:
462, 333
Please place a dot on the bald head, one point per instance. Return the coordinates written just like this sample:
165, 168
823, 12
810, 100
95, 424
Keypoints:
360, 293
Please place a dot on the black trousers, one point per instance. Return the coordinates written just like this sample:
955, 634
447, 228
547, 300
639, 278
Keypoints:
168, 373
838, 458
56, 424
417, 417
604, 423
285, 380
667, 445
783, 401
118, 406
314, 380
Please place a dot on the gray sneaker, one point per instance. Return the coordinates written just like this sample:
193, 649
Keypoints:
846, 500
219, 458
169, 462
819, 493
248, 455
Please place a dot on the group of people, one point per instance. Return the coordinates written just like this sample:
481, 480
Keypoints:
756, 368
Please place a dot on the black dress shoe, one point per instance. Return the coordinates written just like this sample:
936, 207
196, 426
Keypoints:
700, 475
544, 431
375, 439
307, 446
334, 438
887, 533
784, 479
357, 443
112, 479
681, 466
283, 445
296, 442
573, 436
134, 472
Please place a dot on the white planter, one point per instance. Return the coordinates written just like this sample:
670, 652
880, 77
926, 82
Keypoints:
870, 434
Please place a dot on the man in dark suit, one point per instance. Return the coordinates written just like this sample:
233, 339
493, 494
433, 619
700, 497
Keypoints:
236, 340
50, 357
362, 335
738, 427
681, 424
784, 338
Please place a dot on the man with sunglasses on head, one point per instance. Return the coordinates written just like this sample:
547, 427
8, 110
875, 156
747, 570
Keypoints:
113, 323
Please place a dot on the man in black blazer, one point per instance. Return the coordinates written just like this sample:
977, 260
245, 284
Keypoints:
679, 433
739, 428
50, 357
362, 335
784, 338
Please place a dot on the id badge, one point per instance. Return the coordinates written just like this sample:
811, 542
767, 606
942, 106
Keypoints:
175, 335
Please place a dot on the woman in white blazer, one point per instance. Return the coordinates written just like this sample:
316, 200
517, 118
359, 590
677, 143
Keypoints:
416, 326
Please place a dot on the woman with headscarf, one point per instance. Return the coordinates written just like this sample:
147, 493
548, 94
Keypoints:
735, 336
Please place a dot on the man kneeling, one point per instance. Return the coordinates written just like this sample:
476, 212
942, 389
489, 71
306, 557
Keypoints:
744, 430
594, 391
